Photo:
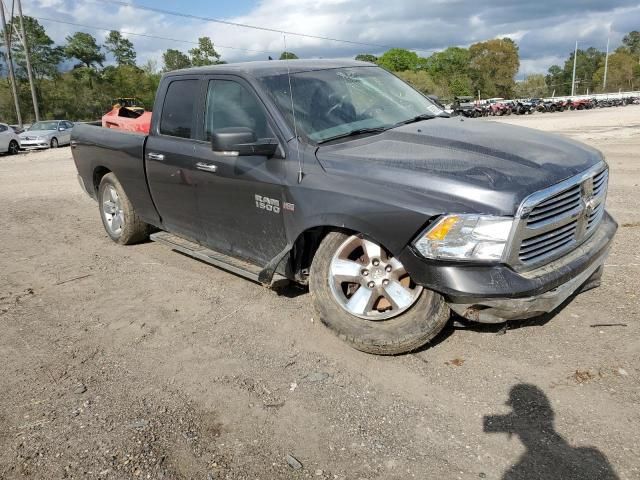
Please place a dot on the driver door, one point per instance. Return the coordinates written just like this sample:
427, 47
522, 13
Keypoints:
239, 198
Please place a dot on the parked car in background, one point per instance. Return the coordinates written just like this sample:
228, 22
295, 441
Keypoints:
9, 140
18, 129
47, 134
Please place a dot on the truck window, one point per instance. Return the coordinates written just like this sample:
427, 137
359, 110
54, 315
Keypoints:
230, 104
177, 111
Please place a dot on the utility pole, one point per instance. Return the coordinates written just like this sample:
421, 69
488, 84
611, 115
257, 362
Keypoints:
606, 66
12, 77
573, 78
34, 96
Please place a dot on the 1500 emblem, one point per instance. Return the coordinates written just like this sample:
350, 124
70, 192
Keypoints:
268, 204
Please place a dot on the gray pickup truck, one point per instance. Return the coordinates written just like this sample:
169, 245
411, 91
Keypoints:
339, 176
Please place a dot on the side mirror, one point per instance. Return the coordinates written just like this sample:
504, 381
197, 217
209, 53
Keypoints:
242, 141
61, 129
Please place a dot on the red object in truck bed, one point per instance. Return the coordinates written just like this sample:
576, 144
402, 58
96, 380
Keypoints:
123, 118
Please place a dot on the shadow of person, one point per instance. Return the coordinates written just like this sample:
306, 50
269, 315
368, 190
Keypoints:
548, 455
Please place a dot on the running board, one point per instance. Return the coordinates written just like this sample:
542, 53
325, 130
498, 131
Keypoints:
217, 259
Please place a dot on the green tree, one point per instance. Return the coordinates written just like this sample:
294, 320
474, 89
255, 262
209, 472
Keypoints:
366, 57
45, 56
587, 63
450, 68
399, 60
204, 53
623, 72
83, 47
449, 62
493, 66
632, 41
534, 86
556, 80
288, 56
175, 60
121, 48
420, 80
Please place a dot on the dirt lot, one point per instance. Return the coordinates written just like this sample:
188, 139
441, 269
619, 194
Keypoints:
137, 362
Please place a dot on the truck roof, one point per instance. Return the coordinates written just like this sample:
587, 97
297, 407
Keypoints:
271, 67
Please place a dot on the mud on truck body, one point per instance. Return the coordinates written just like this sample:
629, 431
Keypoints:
339, 176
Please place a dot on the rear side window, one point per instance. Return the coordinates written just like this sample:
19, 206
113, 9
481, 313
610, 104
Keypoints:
3, 128
177, 111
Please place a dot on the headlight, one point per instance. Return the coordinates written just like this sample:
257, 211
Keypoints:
466, 237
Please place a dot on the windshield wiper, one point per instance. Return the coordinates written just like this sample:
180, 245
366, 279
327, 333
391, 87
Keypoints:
353, 133
417, 118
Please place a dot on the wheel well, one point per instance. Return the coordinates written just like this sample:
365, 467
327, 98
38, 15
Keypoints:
304, 249
98, 173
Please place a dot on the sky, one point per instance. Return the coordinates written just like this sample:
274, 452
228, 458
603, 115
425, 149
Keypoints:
545, 30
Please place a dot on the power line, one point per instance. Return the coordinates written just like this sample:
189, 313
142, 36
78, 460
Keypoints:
236, 24
156, 37
243, 25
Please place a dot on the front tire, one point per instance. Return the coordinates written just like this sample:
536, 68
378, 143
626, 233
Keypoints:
14, 148
118, 216
366, 297
54, 142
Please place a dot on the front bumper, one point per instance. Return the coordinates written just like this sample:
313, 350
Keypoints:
495, 293
44, 143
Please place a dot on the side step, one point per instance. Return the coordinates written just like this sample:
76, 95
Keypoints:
220, 260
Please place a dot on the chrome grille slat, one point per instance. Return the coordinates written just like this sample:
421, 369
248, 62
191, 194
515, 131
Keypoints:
554, 221
540, 247
560, 196
569, 228
547, 251
572, 200
549, 217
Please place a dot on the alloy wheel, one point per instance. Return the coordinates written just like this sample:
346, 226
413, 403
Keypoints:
368, 282
112, 210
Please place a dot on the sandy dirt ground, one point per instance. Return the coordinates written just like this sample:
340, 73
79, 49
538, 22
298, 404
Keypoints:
137, 362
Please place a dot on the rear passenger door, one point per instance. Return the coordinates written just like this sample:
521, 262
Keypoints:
169, 157
241, 201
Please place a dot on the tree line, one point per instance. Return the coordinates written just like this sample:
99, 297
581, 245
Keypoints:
72, 81
489, 69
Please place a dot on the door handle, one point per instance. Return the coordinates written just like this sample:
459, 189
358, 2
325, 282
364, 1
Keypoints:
155, 156
207, 167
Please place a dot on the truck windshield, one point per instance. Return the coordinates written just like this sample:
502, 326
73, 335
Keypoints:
338, 102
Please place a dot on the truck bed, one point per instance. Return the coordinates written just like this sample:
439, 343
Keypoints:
98, 150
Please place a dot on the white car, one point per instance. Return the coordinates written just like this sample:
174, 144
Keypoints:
47, 134
9, 140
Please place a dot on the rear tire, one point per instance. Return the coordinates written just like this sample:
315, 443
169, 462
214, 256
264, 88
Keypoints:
410, 328
119, 219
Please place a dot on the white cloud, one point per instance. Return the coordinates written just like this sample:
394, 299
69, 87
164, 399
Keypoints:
545, 30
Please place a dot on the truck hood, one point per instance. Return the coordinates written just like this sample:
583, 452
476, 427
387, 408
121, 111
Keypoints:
471, 165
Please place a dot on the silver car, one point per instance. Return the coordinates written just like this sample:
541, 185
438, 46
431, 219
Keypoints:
47, 134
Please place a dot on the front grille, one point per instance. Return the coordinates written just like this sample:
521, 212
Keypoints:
543, 244
556, 220
555, 207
